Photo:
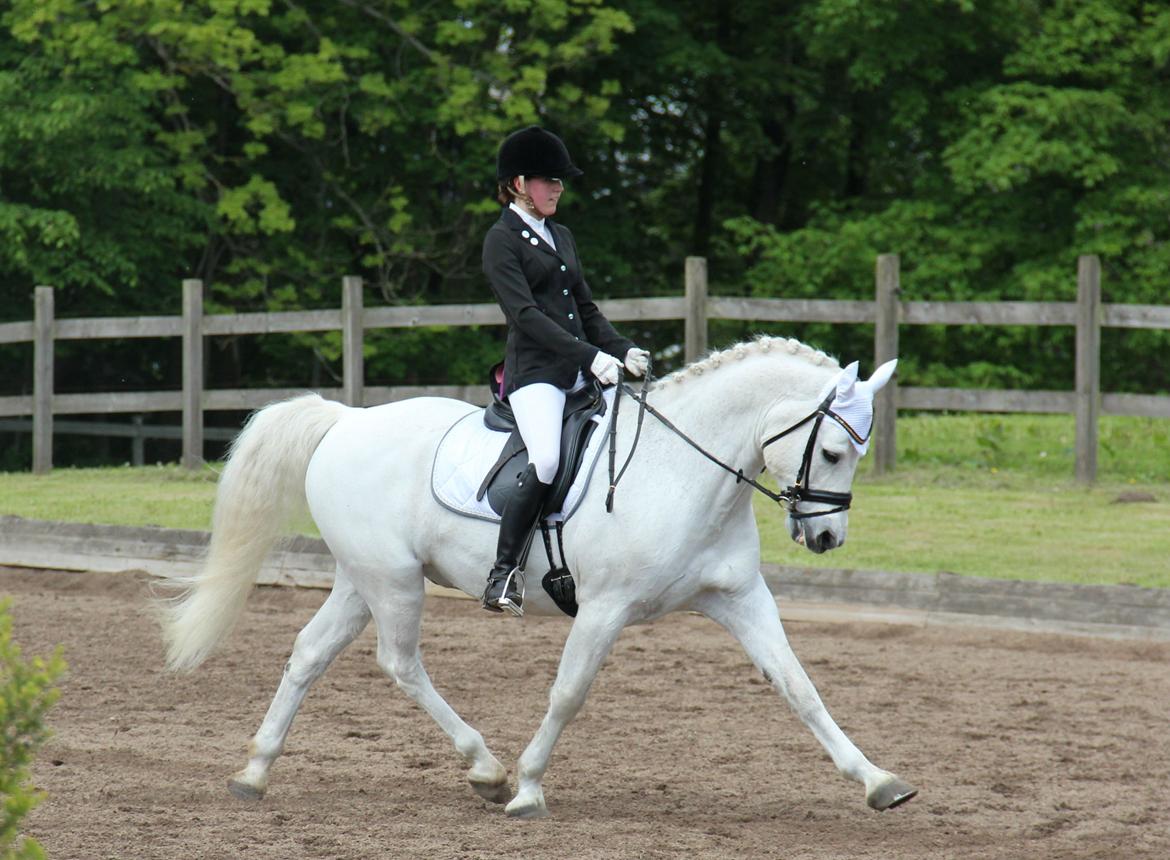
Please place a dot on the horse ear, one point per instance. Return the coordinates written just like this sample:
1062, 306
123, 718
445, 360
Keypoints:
846, 379
881, 376
842, 383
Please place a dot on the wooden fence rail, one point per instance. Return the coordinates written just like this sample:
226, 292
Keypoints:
887, 312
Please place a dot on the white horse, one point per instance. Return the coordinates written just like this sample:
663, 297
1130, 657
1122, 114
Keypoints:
682, 536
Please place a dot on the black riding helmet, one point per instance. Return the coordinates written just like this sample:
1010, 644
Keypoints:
534, 151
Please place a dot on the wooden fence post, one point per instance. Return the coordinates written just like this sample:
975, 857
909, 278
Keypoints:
44, 328
695, 329
192, 373
138, 441
1088, 381
887, 276
353, 369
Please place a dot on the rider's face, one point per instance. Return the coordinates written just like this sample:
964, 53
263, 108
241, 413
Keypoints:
545, 193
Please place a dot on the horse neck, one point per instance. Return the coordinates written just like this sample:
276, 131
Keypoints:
729, 404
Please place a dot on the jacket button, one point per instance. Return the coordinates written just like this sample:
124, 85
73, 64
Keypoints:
563, 267
533, 241
564, 292
570, 316
525, 233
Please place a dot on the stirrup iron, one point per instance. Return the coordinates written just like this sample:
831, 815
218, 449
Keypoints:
513, 603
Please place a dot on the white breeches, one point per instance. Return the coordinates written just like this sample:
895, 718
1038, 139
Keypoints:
539, 408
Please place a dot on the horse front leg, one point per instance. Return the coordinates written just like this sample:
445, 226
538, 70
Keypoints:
590, 640
752, 618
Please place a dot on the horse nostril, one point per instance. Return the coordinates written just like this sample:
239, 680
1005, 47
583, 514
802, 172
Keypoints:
825, 540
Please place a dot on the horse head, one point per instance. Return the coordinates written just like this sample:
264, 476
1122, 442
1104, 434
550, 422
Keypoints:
819, 496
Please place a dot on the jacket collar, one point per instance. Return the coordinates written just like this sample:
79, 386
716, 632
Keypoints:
518, 225
530, 220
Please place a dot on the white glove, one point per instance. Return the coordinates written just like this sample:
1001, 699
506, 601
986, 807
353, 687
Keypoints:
637, 361
605, 367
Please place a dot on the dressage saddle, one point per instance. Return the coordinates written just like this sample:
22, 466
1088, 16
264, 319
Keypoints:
576, 430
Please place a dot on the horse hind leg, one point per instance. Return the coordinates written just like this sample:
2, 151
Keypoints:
590, 640
399, 620
337, 623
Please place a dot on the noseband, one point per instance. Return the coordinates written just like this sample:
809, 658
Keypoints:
787, 498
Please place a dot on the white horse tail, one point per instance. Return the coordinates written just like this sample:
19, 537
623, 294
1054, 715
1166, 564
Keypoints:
262, 486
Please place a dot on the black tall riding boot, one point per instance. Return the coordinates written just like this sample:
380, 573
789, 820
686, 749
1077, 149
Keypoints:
505, 585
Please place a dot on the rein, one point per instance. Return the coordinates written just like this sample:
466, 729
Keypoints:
788, 498
643, 407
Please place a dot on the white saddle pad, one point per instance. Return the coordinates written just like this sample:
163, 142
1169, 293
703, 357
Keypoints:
470, 448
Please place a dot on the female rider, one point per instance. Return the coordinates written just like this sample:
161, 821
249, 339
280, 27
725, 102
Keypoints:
555, 332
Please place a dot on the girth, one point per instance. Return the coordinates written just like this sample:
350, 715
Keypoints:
576, 430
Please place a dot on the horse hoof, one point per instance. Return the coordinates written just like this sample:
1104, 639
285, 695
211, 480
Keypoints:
492, 792
893, 792
489, 780
246, 790
527, 808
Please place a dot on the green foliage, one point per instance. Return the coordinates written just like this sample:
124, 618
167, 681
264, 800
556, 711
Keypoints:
1021, 132
270, 148
1015, 138
26, 694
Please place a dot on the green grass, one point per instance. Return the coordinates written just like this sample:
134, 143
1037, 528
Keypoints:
975, 448
994, 496
1052, 533
151, 495
973, 494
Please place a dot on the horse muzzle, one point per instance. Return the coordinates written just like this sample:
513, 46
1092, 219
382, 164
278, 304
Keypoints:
814, 535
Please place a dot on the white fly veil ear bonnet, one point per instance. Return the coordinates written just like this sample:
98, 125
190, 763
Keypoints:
852, 404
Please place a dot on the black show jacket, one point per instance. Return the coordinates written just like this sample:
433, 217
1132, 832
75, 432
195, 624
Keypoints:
554, 327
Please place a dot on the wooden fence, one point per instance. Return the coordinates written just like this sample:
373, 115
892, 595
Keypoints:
886, 311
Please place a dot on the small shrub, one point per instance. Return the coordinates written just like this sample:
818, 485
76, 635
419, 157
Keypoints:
26, 694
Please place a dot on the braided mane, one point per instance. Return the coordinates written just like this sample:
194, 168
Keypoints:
756, 346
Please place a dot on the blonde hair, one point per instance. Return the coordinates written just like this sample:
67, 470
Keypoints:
505, 193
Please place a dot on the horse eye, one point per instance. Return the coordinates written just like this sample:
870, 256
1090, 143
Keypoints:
830, 456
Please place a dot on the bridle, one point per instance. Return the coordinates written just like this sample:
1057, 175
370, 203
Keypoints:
800, 490
788, 498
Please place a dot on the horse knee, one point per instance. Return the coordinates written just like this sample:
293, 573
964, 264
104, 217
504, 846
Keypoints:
564, 703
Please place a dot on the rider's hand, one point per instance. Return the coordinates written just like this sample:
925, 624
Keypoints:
637, 361
605, 367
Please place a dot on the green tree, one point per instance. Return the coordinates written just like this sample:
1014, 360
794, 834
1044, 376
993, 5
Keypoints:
95, 197
269, 149
998, 144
